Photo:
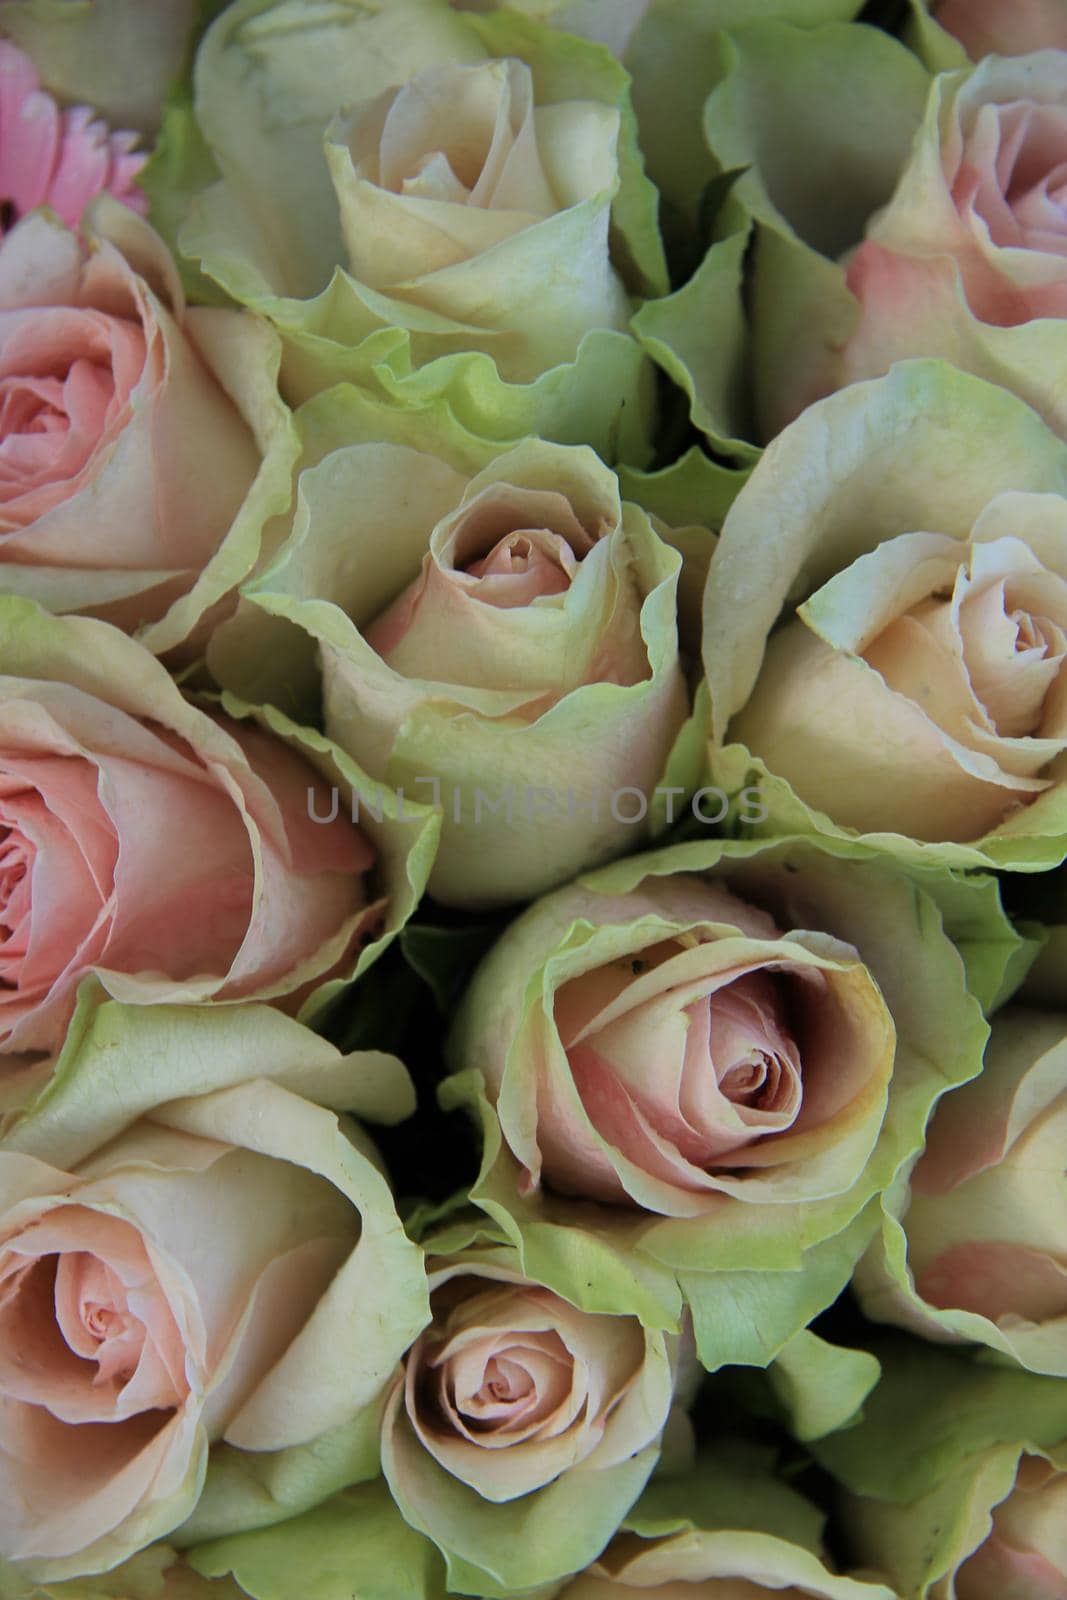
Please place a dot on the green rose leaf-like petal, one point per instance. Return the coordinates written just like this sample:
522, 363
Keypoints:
356, 1543
729, 1519
755, 1274
939, 1446
675, 56
793, 106
698, 336
822, 1386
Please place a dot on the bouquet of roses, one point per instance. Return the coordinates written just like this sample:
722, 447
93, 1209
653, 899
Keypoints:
533, 799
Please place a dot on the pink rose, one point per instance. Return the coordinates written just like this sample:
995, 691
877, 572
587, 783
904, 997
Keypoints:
123, 459
188, 1245
975, 235
170, 851
1004, 27
61, 159
515, 1405
720, 1057
986, 1219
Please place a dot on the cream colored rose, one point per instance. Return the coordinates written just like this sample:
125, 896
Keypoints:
187, 1274
464, 199
515, 1405
922, 690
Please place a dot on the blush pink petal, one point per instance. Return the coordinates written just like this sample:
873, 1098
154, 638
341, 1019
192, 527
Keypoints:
987, 1276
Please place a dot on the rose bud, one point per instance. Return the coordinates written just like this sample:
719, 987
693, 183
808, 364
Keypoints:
724, 1049
142, 444
518, 1409
194, 1258
985, 1225
101, 759
481, 212
49, 157
956, 1479
502, 642
915, 692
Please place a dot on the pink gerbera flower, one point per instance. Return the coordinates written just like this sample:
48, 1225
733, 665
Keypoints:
53, 157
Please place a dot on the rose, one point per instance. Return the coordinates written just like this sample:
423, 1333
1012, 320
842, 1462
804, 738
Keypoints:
944, 236
479, 202
130, 432
103, 762
112, 54
192, 1254
980, 1252
991, 27
61, 159
982, 191
496, 632
516, 1407
444, 189
720, 1046
976, 1511
914, 696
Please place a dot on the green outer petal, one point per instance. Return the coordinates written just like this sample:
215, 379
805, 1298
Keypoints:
754, 1275
157, 1573
145, 1056
496, 1550
936, 49
822, 1386
698, 336
966, 1407
357, 1543
731, 1517
799, 106
939, 1445
675, 60
568, 68
750, 1318
180, 166
692, 490
795, 108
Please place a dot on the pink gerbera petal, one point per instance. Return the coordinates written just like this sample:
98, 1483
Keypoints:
61, 159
